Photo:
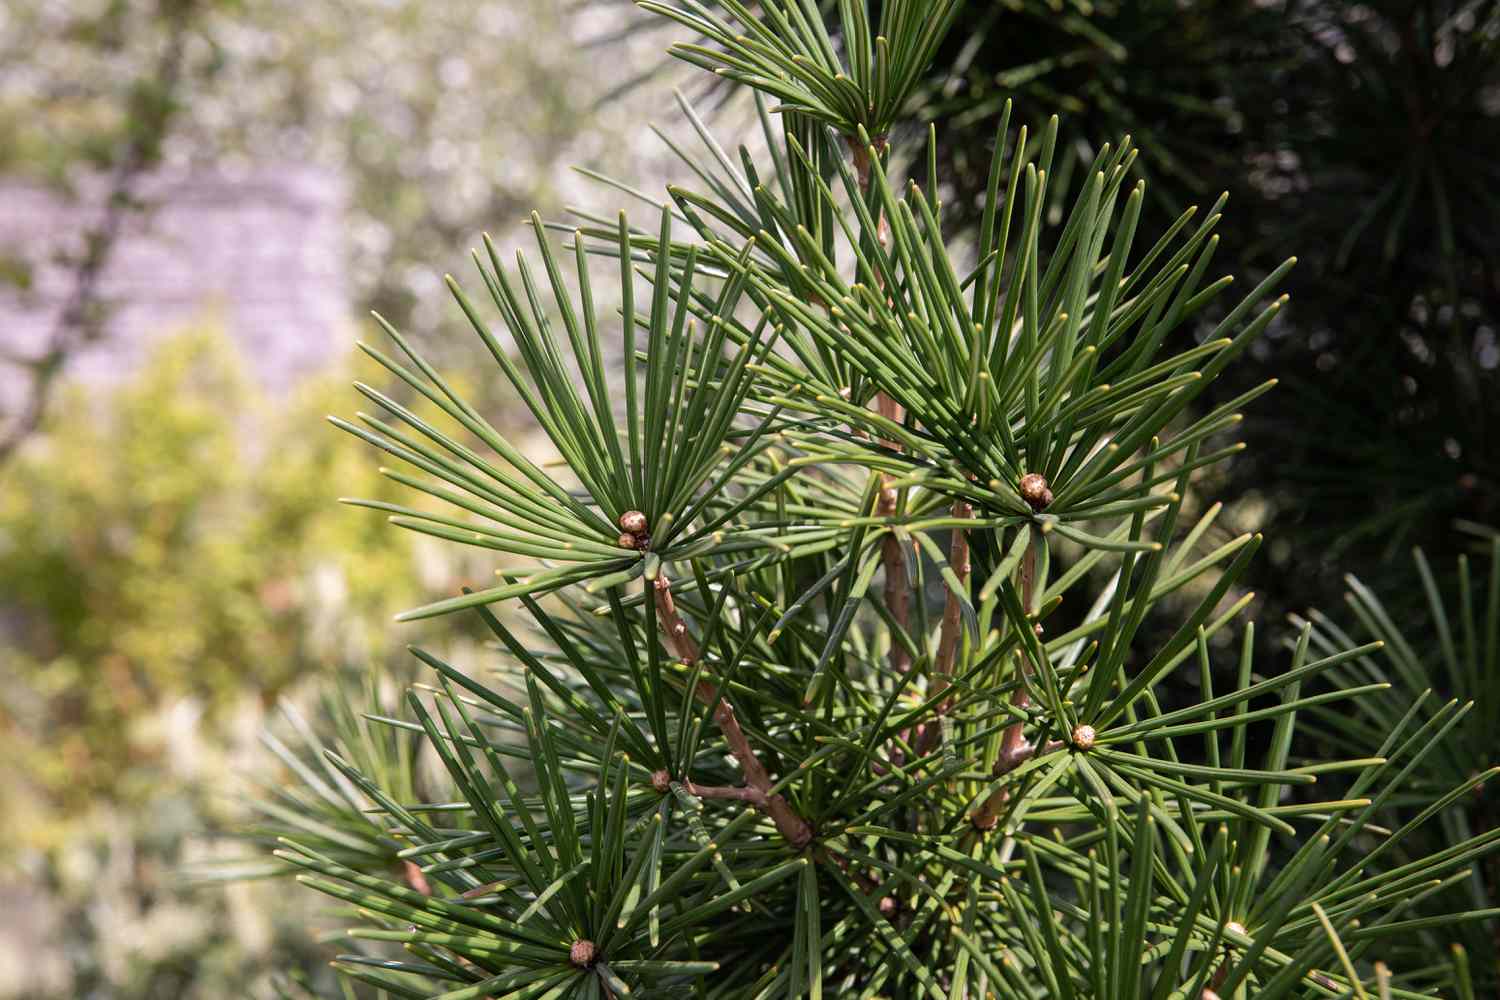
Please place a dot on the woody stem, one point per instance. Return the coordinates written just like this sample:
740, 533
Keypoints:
897, 590
1014, 750
952, 628
791, 826
741, 793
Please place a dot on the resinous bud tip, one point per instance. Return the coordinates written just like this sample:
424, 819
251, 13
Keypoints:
582, 953
1035, 491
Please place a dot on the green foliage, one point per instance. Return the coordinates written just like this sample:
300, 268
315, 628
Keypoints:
990, 407
319, 804
788, 52
675, 434
1362, 132
755, 775
1441, 666
1365, 133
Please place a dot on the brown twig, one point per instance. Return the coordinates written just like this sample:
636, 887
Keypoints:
897, 580
1014, 750
951, 632
758, 782
897, 591
739, 793
952, 628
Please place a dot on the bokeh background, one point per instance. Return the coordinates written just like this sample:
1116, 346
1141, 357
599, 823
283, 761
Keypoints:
200, 200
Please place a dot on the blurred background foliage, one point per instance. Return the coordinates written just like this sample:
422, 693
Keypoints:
440, 118
173, 565
158, 551
171, 558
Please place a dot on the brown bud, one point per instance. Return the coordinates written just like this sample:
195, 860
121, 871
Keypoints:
984, 822
633, 521
661, 781
628, 541
583, 953
1035, 492
1084, 736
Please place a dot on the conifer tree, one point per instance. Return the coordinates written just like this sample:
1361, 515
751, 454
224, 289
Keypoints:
833, 679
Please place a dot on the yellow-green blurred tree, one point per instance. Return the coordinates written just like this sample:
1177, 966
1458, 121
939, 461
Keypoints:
177, 538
